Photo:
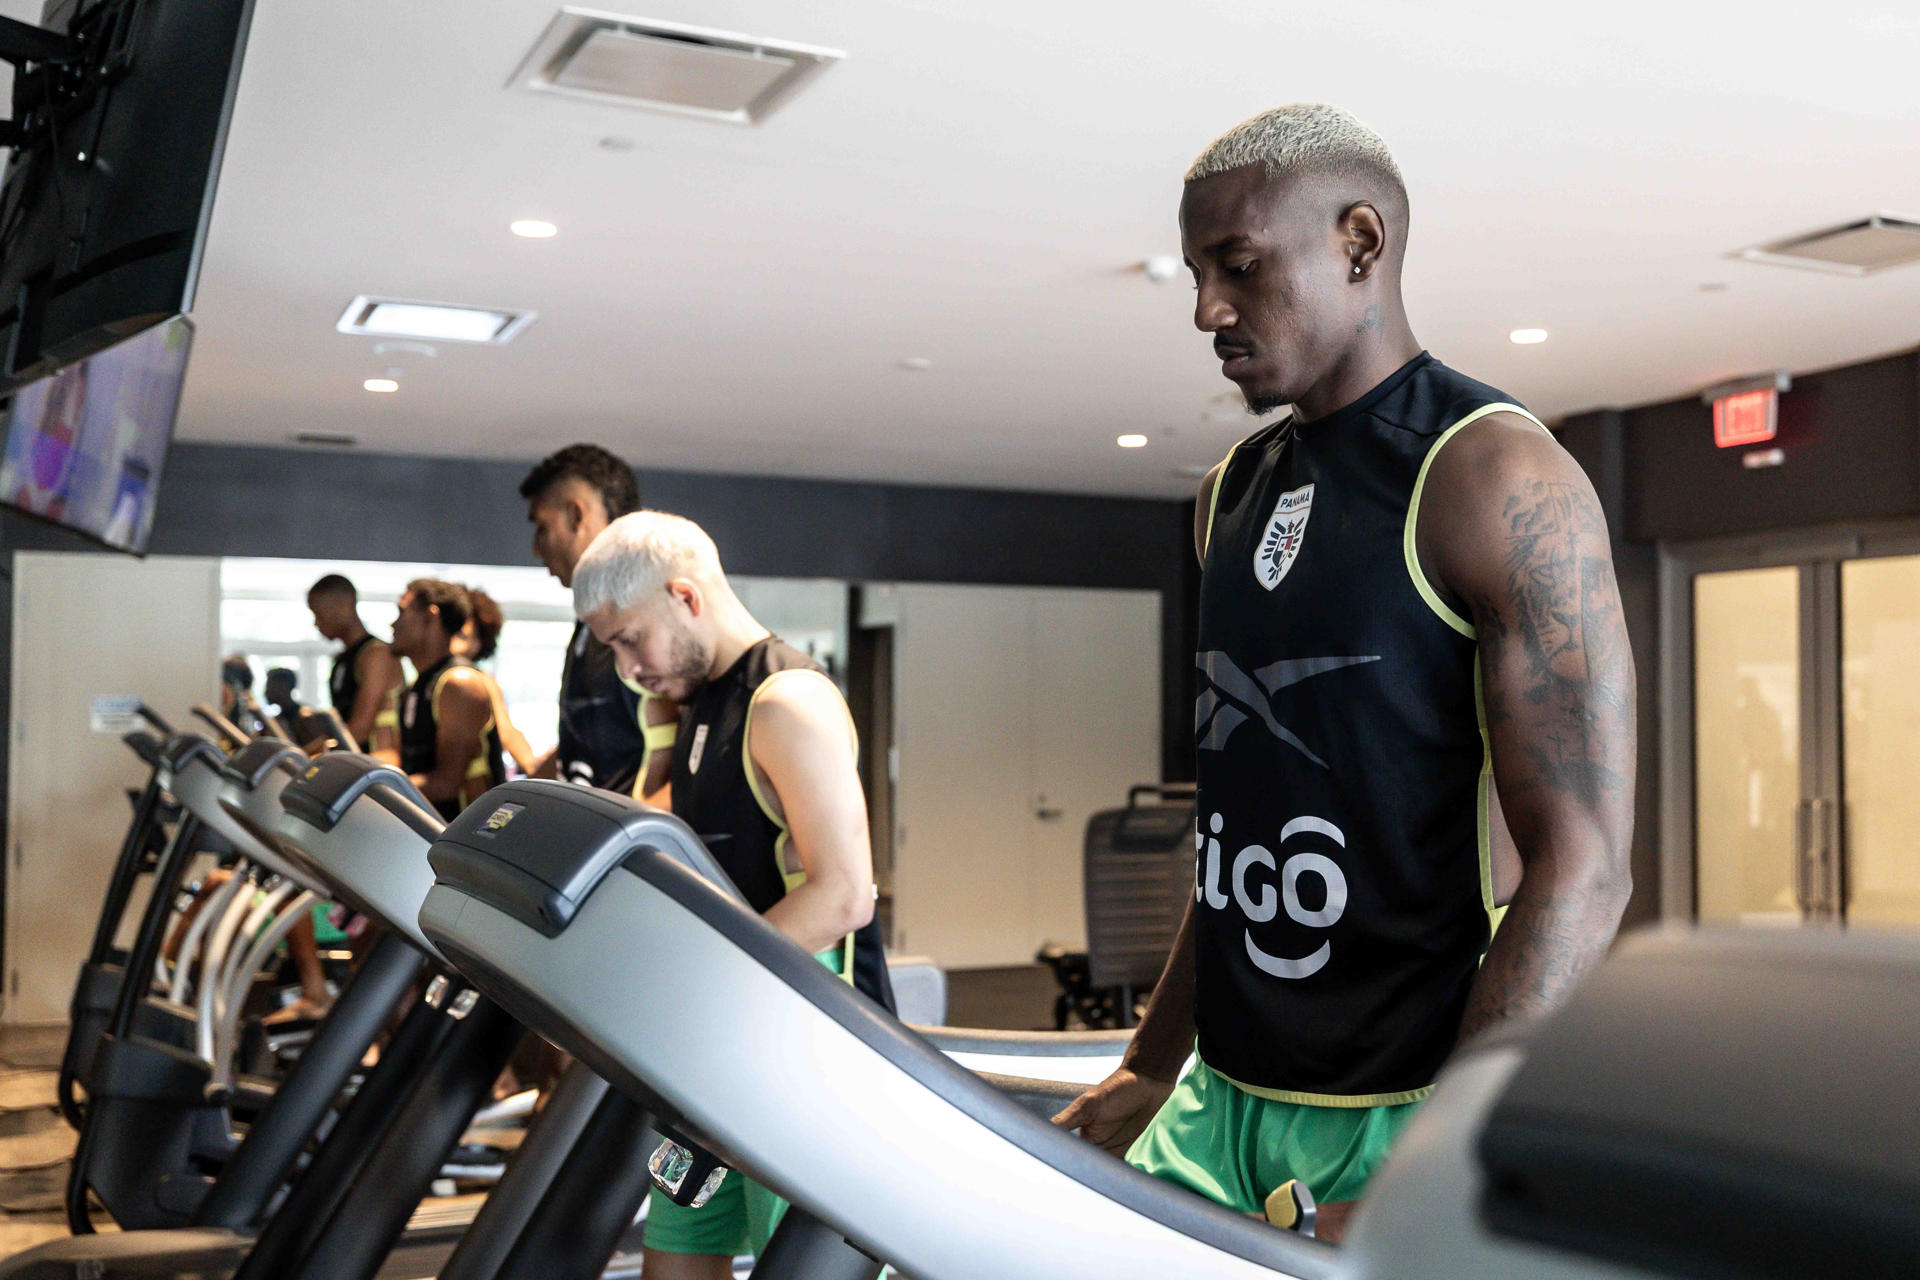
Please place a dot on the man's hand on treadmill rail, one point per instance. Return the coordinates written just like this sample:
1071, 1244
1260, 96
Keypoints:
1114, 1112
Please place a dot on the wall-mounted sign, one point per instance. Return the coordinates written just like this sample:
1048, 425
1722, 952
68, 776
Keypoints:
1748, 417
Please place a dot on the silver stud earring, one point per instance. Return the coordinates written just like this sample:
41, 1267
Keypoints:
1356, 271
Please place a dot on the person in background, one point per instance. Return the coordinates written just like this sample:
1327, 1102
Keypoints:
365, 673
282, 702
613, 734
477, 642
443, 733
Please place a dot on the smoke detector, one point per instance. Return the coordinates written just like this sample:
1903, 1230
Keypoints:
1857, 248
668, 66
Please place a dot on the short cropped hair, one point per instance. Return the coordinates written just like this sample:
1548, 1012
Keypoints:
488, 619
608, 476
450, 598
1306, 137
334, 584
636, 556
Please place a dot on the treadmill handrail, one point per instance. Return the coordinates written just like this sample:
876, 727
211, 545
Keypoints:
1025, 1044
1066, 1153
410, 807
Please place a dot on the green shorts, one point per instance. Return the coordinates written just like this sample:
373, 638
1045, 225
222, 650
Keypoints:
1234, 1148
740, 1217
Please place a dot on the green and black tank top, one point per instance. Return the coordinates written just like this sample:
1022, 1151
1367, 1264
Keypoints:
716, 793
1344, 890
604, 738
343, 682
420, 739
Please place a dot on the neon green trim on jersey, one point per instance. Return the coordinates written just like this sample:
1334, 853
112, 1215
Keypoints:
1408, 543
1346, 1101
1213, 498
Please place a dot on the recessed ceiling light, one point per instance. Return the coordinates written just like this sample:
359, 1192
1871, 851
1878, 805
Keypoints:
916, 364
533, 229
382, 385
1132, 442
1528, 337
1161, 268
392, 318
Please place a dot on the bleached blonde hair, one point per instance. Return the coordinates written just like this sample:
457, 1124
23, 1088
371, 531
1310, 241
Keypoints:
1305, 137
636, 556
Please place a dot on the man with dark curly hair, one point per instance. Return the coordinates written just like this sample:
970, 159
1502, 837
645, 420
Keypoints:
613, 735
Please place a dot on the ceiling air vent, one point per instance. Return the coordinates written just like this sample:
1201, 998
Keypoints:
667, 66
1857, 248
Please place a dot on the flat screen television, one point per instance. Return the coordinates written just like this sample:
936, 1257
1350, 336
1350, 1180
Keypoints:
119, 119
85, 445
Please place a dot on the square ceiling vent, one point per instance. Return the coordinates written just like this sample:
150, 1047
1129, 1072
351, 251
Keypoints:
1857, 248
668, 66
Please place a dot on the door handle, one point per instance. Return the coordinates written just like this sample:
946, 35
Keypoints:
1802, 848
1816, 878
1047, 814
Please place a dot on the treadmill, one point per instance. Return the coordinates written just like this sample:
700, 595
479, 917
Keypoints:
376, 829
158, 1074
607, 927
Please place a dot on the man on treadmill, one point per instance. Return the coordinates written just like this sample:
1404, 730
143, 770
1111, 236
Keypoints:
365, 672
765, 772
443, 733
1408, 623
613, 735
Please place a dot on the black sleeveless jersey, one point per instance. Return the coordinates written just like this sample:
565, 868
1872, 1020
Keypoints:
715, 793
602, 741
1344, 890
343, 682
420, 741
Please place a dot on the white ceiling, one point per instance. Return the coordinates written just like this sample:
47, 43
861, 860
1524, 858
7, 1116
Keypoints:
972, 184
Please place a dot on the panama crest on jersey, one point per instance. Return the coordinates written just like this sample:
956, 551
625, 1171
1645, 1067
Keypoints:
1287, 528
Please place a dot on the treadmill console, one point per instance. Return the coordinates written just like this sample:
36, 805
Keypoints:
183, 747
250, 765
328, 784
535, 848
1726, 1103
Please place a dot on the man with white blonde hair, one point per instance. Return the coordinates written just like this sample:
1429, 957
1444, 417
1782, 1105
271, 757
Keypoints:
1408, 626
765, 770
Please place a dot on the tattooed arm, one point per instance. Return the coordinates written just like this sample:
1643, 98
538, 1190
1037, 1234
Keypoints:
1512, 536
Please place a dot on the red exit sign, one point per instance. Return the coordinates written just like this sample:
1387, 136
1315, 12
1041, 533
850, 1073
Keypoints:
1748, 417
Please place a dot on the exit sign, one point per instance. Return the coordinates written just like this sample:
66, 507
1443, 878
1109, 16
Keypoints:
1748, 417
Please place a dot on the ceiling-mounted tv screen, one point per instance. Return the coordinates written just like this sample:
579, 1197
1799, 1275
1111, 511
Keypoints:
118, 122
85, 446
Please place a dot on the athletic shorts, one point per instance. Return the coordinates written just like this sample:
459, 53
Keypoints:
740, 1217
1234, 1148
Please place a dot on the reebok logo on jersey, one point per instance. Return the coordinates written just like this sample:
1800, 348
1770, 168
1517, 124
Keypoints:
1273, 555
1232, 697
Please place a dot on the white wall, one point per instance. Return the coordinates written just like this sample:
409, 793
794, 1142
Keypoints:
86, 626
1020, 712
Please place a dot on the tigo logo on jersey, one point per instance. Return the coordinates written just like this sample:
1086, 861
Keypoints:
1286, 529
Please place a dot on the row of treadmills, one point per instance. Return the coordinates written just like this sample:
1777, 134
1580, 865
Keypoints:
1708, 1105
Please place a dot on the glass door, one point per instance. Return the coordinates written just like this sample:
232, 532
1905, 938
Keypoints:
1880, 738
1791, 763
1746, 717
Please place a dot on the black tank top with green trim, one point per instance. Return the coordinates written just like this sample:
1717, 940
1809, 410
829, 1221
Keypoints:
603, 742
420, 739
713, 793
1343, 895
343, 682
